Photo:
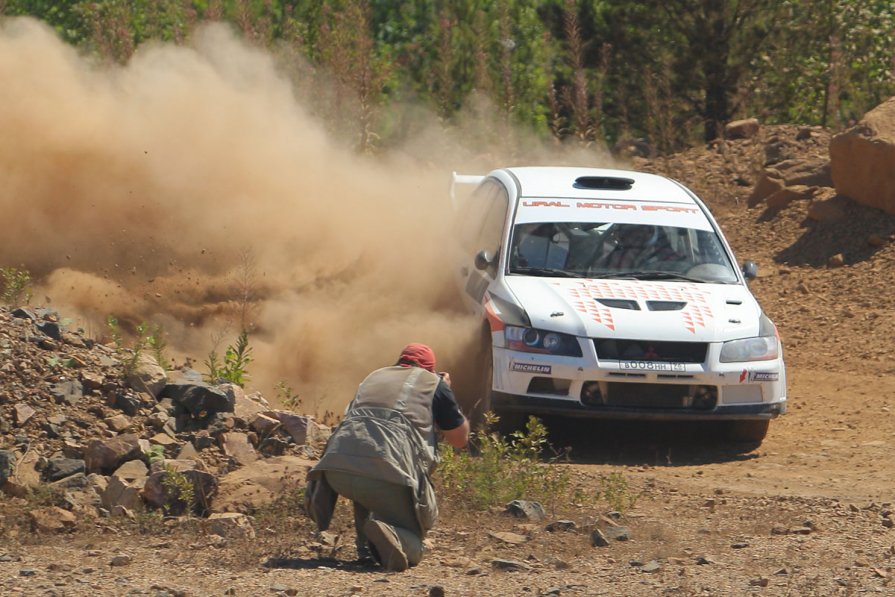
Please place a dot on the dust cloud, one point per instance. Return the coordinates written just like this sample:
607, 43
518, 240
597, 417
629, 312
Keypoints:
190, 189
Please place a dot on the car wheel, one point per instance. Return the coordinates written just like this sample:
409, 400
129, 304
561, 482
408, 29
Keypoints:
484, 382
749, 431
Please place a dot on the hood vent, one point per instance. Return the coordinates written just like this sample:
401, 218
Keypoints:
665, 305
605, 183
619, 304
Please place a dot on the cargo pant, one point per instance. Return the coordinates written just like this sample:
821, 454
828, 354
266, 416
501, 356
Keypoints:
386, 502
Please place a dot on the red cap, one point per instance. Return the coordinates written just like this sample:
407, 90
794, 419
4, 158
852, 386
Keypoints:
418, 354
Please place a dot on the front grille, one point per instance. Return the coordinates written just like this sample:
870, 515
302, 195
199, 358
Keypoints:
649, 395
549, 385
648, 350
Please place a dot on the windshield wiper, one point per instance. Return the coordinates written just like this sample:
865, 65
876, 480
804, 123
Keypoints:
608, 275
545, 271
660, 275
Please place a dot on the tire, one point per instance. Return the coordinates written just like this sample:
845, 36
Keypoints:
748, 431
483, 390
484, 382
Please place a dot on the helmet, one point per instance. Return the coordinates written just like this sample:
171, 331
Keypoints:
636, 235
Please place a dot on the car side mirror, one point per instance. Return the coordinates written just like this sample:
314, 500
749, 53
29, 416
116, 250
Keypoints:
484, 259
750, 270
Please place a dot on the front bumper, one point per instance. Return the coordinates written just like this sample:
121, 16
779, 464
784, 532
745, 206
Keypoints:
585, 387
508, 403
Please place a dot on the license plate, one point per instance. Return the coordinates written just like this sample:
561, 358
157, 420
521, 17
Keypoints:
652, 366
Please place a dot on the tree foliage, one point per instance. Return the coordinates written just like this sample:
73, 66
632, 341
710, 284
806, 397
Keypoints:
592, 71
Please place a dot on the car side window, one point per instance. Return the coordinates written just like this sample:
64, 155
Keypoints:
492, 227
473, 215
482, 219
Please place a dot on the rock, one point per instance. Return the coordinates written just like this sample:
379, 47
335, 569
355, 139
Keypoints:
862, 159
237, 447
246, 489
52, 519
120, 492
510, 565
76, 481
787, 195
837, 260
598, 539
742, 129
231, 524
7, 465
148, 376
26, 476
157, 420
23, 414
264, 425
299, 427
526, 509
68, 392
163, 439
106, 456
805, 172
121, 560
561, 525
91, 381
825, 211
189, 490
127, 402
118, 423
245, 407
511, 538
769, 183
51, 329
175, 465
198, 398
187, 452
59, 468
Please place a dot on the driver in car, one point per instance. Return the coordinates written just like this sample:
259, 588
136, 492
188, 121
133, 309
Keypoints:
638, 246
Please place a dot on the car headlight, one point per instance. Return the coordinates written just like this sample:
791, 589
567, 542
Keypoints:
761, 348
534, 340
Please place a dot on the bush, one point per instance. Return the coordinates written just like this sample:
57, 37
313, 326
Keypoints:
503, 469
15, 286
236, 362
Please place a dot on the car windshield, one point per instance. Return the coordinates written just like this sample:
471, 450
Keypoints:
617, 250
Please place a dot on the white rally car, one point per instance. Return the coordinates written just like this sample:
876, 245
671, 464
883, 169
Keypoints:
613, 294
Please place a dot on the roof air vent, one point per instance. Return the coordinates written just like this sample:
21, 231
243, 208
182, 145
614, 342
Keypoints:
606, 183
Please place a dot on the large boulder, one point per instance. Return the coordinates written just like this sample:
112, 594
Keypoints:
862, 159
104, 456
249, 488
148, 376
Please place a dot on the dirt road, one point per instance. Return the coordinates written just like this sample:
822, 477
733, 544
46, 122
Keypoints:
805, 514
835, 442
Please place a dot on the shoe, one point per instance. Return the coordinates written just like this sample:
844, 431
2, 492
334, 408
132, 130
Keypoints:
387, 545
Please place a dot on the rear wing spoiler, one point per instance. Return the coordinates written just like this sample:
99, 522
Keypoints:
462, 179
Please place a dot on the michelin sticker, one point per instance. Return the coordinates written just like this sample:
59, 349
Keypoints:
763, 376
531, 368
